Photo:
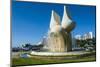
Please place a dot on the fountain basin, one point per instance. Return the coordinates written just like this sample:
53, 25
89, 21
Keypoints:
59, 53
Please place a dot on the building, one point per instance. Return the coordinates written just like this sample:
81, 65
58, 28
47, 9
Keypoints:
90, 35
79, 37
86, 36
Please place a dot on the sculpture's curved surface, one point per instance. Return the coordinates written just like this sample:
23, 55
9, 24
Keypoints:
67, 23
56, 42
55, 22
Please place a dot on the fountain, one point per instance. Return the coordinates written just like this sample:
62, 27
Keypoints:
59, 36
58, 40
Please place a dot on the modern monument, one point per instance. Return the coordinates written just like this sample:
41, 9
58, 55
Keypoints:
59, 34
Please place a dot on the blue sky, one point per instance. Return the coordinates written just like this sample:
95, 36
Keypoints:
30, 21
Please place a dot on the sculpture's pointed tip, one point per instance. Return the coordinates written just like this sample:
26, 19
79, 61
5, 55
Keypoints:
65, 15
55, 21
52, 11
55, 17
64, 7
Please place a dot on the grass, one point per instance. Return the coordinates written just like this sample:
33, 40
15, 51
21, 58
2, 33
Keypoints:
35, 60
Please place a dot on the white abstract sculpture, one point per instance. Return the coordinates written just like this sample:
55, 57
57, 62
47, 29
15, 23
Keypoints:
59, 36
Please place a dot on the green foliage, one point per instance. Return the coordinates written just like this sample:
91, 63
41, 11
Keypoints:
90, 42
